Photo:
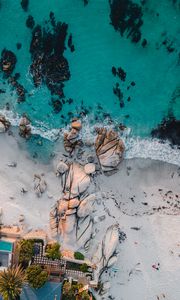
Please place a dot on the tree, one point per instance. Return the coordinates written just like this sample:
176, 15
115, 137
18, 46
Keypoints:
36, 276
26, 251
11, 282
53, 251
84, 268
68, 291
85, 295
78, 255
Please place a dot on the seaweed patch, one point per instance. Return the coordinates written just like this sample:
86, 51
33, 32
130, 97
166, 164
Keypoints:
169, 129
126, 17
49, 66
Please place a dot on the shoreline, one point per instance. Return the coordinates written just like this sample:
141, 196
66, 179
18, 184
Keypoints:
133, 197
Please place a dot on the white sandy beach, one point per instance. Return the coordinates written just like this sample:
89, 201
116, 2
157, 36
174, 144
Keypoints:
143, 194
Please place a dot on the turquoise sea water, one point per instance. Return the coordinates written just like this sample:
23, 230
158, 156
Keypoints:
98, 47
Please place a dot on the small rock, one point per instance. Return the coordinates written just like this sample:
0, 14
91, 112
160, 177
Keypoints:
76, 124
13, 164
101, 218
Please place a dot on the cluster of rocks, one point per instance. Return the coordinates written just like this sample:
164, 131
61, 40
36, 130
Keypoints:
126, 17
72, 138
109, 149
25, 127
49, 66
8, 62
71, 216
4, 124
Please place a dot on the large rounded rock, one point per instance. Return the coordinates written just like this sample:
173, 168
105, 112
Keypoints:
77, 181
62, 207
84, 230
109, 149
86, 206
69, 224
89, 168
112, 261
70, 211
73, 203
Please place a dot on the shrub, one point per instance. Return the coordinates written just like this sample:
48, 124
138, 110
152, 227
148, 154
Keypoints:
78, 255
36, 276
53, 251
84, 268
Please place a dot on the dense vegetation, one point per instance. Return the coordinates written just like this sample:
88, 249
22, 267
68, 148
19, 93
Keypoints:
73, 292
25, 250
36, 276
53, 251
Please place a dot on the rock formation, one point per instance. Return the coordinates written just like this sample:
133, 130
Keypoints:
71, 138
40, 185
4, 124
8, 62
104, 256
70, 217
24, 127
109, 149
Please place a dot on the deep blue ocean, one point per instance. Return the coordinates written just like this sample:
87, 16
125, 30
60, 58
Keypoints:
149, 92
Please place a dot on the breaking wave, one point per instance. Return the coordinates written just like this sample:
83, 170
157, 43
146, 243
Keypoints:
136, 147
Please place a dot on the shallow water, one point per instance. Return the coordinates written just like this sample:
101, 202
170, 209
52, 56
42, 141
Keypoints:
98, 47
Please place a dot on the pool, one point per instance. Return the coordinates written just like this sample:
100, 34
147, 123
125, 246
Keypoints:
47, 292
6, 246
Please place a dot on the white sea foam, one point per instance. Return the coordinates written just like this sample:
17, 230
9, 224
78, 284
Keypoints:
135, 146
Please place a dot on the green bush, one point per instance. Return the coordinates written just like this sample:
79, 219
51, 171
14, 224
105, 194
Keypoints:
84, 268
26, 251
36, 276
53, 251
78, 255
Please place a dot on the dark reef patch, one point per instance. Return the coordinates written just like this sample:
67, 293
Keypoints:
117, 91
30, 22
57, 105
20, 90
18, 46
85, 2
7, 62
169, 43
126, 17
70, 43
49, 66
25, 4
169, 129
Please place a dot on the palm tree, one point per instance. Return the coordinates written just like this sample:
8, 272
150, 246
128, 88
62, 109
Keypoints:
11, 282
